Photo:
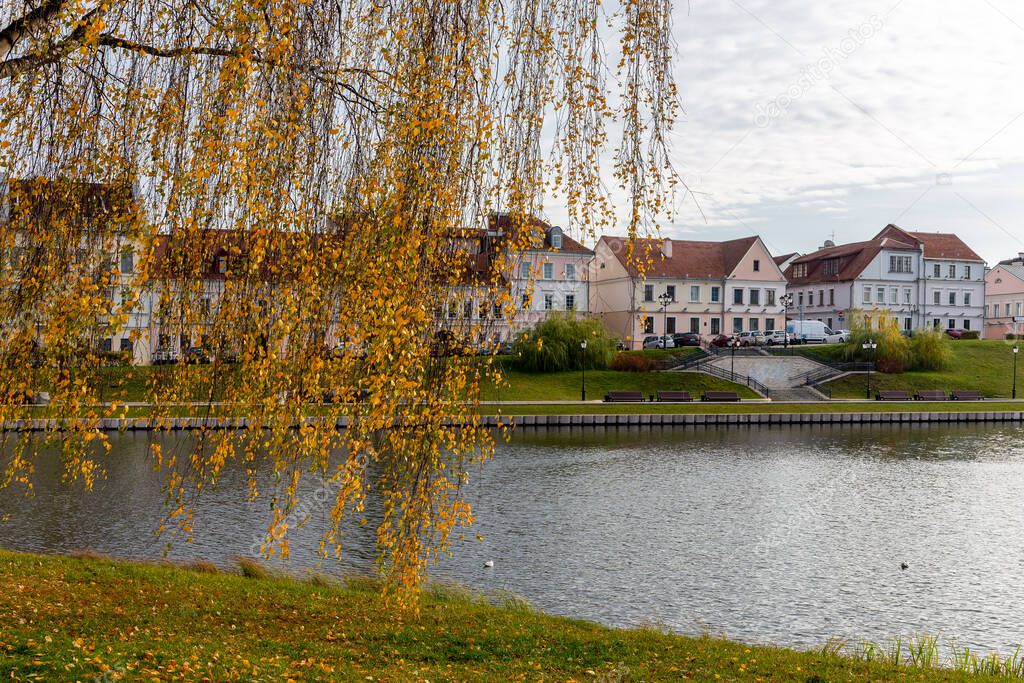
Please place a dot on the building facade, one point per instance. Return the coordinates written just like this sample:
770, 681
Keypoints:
921, 280
1004, 299
665, 286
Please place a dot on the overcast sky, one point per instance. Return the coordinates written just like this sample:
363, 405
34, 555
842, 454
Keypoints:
806, 121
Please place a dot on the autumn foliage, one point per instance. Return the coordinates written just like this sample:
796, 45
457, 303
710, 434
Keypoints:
292, 180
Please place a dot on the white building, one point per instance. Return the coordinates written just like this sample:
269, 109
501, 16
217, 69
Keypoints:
921, 279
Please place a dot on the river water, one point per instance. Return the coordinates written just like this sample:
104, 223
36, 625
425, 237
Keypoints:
782, 535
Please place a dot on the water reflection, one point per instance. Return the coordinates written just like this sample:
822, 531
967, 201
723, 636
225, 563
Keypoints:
787, 535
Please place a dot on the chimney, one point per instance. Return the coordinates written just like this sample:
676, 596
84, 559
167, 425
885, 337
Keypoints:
666, 248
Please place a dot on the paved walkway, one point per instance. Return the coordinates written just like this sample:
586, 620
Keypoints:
775, 372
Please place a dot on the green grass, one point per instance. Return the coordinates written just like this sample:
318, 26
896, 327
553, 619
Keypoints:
985, 366
94, 619
700, 408
565, 386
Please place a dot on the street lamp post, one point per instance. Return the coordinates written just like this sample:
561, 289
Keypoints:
786, 299
665, 299
733, 344
583, 364
869, 345
1016, 349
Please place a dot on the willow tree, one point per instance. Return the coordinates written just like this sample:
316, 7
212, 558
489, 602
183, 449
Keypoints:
290, 175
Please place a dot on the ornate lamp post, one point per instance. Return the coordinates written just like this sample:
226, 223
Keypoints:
665, 299
583, 361
869, 345
786, 300
1016, 349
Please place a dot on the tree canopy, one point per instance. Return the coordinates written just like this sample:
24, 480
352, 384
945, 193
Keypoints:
319, 163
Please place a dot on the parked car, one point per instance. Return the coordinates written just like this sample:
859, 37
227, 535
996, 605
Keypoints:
777, 337
196, 355
721, 340
954, 334
752, 338
163, 356
844, 335
660, 342
686, 339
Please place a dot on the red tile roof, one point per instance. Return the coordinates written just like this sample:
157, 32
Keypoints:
782, 258
716, 260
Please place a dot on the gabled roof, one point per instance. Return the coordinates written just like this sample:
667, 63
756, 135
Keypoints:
853, 259
782, 258
938, 245
1014, 269
505, 224
690, 259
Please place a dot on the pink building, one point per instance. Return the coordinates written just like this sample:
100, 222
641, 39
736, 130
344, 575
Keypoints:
1004, 299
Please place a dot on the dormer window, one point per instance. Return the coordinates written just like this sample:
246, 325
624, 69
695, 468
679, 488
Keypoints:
555, 237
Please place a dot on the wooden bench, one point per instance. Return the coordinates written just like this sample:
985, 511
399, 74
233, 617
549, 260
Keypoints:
967, 395
931, 395
624, 397
720, 396
674, 397
892, 396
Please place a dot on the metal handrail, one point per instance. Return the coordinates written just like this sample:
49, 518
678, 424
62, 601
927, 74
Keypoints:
735, 378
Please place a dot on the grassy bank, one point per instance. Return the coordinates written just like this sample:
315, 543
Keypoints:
565, 386
698, 407
80, 619
985, 366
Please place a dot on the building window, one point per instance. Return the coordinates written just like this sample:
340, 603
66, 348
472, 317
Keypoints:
549, 302
937, 297
670, 325
867, 295
671, 291
810, 298
716, 326
800, 270
769, 297
967, 298
828, 323
757, 266
737, 324
755, 297
126, 345
936, 272
831, 297
467, 310
549, 271
967, 274
821, 297
800, 299
694, 293
936, 323
716, 294
894, 295
648, 292
906, 296
907, 324
222, 264
1008, 310
737, 295
769, 324
952, 324
127, 262
648, 325
695, 325
570, 302
880, 294
831, 266
570, 271
524, 271
967, 324
899, 264
556, 238
526, 302
952, 298
952, 270
755, 324
498, 313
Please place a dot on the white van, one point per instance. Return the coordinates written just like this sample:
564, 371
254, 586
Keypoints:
812, 332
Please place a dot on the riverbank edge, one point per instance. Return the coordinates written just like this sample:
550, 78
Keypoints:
163, 621
571, 420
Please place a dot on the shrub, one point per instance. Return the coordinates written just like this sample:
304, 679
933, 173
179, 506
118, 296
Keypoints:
970, 334
930, 350
553, 345
1011, 336
893, 347
633, 362
892, 366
